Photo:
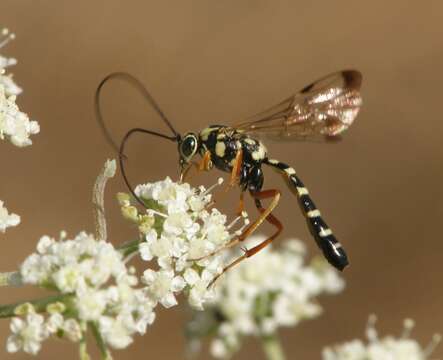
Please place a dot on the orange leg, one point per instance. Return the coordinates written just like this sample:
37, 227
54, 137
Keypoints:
272, 220
184, 174
236, 169
205, 164
241, 204
265, 213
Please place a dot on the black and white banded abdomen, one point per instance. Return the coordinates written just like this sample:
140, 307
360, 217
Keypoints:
326, 241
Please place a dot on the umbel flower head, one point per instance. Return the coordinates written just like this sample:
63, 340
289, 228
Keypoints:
11, 88
387, 348
15, 125
95, 288
30, 331
179, 231
7, 219
271, 290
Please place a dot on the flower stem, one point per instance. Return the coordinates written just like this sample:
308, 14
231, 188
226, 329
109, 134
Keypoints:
272, 348
39, 304
105, 354
83, 350
98, 199
129, 247
12, 278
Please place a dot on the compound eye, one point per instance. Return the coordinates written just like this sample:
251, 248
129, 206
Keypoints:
189, 146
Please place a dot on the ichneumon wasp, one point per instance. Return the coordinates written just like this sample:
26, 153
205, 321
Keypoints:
321, 110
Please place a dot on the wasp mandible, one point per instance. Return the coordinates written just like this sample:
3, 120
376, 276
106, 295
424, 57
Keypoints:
321, 110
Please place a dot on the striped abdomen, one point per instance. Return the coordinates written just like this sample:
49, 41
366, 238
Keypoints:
332, 249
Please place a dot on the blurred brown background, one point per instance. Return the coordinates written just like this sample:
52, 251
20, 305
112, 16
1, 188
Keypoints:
213, 62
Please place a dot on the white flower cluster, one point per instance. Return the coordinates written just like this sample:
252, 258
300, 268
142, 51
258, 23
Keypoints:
387, 348
7, 219
15, 125
270, 290
99, 290
10, 87
180, 232
30, 332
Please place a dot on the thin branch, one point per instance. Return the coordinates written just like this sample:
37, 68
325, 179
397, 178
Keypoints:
104, 352
39, 304
83, 349
98, 199
272, 347
12, 278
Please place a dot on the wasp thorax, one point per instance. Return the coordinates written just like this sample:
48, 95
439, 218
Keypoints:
188, 147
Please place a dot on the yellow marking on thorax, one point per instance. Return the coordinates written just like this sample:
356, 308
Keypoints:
204, 134
260, 153
220, 148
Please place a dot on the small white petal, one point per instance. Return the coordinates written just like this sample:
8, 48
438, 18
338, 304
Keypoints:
191, 276
13, 344
169, 300
145, 251
16, 325
178, 283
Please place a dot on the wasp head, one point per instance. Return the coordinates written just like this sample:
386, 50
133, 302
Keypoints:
187, 148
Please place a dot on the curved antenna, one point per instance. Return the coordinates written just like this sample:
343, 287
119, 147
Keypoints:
122, 156
142, 89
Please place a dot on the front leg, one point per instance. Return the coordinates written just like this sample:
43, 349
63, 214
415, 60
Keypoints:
205, 164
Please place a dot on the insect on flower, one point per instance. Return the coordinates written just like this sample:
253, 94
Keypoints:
321, 110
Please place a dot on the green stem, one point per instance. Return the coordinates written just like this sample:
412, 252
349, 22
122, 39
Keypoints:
12, 278
105, 354
39, 304
128, 247
83, 350
272, 348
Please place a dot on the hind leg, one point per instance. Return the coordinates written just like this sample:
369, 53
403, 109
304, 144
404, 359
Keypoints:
265, 214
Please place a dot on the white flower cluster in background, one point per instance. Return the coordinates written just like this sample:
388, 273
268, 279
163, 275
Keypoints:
387, 348
15, 125
28, 333
269, 290
179, 231
99, 290
10, 87
7, 219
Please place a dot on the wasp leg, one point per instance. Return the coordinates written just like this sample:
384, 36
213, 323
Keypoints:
241, 204
270, 219
184, 174
236, 170
205, 164
265, 213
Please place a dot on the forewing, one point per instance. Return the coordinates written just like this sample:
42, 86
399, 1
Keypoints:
323, 109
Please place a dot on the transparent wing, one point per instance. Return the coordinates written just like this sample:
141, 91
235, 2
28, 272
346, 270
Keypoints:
323, 109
